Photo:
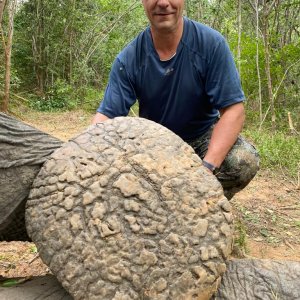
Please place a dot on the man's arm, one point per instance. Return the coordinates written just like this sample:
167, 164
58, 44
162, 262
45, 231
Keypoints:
225, 133
98, 118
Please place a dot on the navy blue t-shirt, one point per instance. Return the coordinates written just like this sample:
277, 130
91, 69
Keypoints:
184, 93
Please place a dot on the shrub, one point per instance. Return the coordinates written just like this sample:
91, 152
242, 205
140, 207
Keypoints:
60, 96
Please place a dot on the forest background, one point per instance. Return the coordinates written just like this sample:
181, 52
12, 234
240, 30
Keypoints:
56, 55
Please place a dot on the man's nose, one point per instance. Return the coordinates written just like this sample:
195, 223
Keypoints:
163, 3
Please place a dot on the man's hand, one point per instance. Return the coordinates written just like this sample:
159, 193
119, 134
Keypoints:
98, 118
225, 133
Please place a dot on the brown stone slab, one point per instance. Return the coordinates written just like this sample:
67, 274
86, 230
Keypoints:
38, 288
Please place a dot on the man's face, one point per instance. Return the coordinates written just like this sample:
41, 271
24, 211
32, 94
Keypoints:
164, 15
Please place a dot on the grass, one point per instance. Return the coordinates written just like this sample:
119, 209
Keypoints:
33, 249
278, 151
240, 239
6, 257
270, 224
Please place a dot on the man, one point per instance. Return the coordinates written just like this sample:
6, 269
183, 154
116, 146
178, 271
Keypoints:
184, 77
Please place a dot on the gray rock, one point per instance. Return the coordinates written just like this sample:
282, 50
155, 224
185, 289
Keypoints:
23, 150
37, 288
251, 279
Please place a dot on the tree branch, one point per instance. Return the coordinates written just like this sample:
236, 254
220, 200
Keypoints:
283, 77
270, 8
112, 26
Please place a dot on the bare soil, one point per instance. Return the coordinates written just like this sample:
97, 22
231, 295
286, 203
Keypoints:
267, 211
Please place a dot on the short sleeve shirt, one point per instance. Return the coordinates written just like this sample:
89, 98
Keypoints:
184, 93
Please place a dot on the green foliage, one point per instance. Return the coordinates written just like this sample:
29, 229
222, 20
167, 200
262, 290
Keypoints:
66, 48
240, 236
63, 96
279, 151
33, 249
42, 104
248, 73
134, 110
89, 98
9, 282
59, 97
77, 43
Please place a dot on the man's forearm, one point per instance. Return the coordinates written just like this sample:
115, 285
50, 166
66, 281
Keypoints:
225, 134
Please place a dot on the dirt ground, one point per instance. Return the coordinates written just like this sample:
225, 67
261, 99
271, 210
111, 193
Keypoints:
267, 212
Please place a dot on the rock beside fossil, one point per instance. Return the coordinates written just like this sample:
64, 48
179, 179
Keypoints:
23, 150
126, 211
251, 279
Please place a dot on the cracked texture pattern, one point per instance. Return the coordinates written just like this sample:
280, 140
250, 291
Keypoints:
252, 279
244, 279
126, 211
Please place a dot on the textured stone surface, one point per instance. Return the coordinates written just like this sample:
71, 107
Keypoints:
37, 288
126, 211
23, 150
244, 279
251, 279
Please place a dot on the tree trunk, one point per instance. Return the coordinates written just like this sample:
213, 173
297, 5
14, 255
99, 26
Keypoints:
257, 62
265, 30
199, 11
239, 24
2, 7
38, 47
7, 50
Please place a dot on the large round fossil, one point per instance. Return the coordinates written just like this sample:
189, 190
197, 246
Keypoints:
126, 211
